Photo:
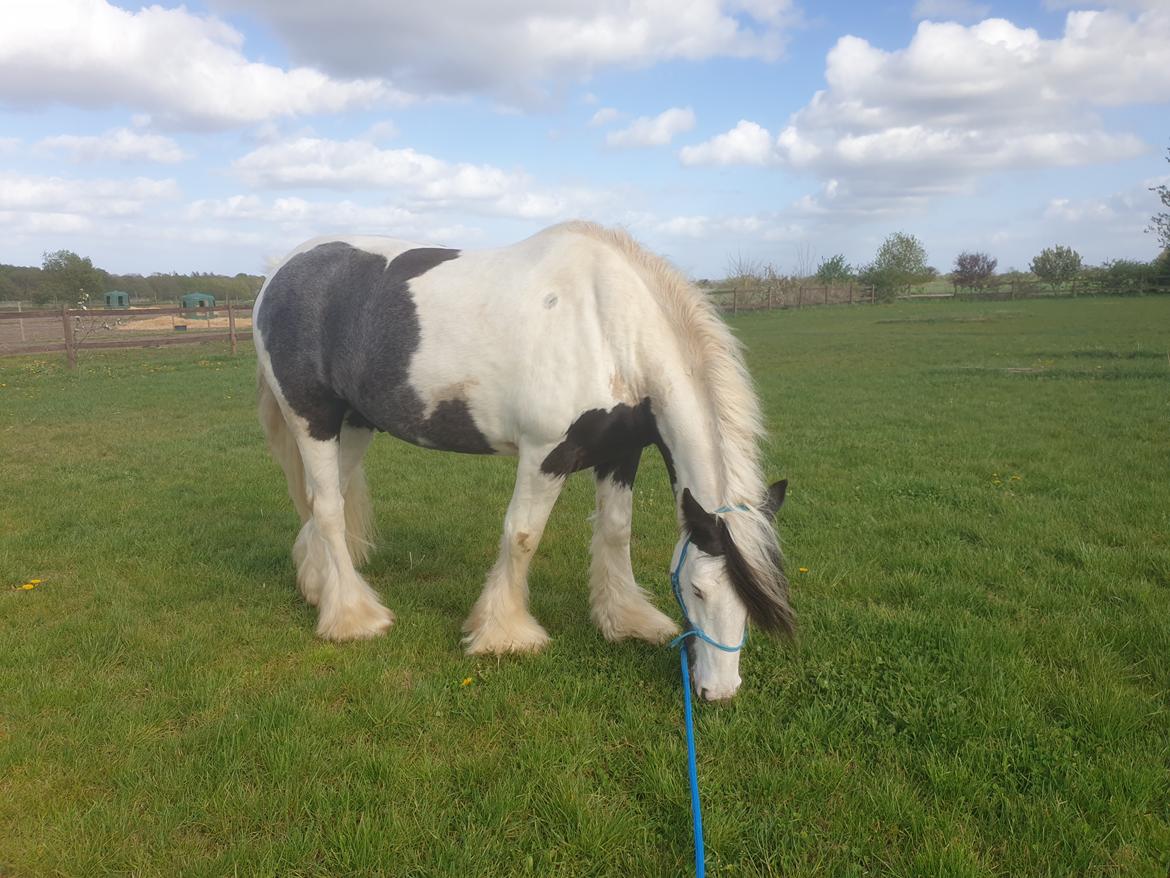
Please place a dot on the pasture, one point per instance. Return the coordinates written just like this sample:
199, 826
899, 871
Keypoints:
979, 496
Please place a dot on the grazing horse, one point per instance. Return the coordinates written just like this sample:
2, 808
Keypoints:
573, 349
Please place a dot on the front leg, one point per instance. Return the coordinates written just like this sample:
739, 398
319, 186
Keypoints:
618, 605
500, 621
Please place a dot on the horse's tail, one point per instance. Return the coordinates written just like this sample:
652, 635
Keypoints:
283, 446
359, 511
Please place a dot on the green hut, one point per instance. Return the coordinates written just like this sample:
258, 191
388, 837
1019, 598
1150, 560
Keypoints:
199, 304
117, 299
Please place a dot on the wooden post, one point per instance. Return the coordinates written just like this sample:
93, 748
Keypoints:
19, 308
734, 300
769, 297
873, 294
70, 344
826, 294
232, 324
799, 296
850, 292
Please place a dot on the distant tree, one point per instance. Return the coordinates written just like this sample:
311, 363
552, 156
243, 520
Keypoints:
834, 270
973, 269
1056, 265
70, 277
1160, 222
900, 263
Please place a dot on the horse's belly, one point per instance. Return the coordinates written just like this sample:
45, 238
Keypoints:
447, 424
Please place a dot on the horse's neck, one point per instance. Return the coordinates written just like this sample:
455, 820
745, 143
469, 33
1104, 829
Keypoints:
687, 425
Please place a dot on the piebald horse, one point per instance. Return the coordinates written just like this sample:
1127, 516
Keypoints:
574, 349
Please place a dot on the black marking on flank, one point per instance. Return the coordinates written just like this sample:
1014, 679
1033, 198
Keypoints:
606, 440
340, 325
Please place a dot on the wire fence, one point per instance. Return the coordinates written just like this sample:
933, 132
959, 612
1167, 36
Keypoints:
71, 330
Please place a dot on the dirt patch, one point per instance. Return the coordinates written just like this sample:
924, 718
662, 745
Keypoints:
166, 322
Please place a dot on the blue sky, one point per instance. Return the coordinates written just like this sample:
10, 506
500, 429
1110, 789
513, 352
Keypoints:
216, 135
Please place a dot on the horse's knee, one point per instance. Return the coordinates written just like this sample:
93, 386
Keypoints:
523, 542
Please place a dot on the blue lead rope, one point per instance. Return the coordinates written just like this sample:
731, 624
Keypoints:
694, 630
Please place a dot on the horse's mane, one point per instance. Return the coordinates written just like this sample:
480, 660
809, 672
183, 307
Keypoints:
713, 351
755, 560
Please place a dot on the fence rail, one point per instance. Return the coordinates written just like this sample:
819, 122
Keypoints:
70, 330
768, 295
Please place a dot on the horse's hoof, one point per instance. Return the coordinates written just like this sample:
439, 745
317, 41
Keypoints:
529, 638
640, 621
361, 622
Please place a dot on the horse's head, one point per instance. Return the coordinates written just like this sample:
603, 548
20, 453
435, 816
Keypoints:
728, 569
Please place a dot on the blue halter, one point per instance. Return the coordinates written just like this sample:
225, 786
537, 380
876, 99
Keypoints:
694, 630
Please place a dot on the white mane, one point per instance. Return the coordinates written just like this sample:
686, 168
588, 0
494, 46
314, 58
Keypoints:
714, 352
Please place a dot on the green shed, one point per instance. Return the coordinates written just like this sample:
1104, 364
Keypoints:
117, 299
200, 303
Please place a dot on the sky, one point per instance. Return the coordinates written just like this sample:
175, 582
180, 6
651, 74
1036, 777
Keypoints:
218, 134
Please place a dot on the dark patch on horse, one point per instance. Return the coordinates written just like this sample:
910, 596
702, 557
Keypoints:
764, 593
766, 597
702, 525
341, 326
604, 439
622, 471
668, 459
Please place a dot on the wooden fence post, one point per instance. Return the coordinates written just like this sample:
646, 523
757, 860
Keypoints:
70, 345
826, 294
734, 301
799, 296
872, 294
851, 293
769, 297
232, 325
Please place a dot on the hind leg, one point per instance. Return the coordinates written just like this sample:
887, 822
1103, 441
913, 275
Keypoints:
500, 621
348, 609
618, 605
359, 514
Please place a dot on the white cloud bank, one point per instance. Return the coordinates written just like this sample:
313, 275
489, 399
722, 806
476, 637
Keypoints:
184, 69
961, 101
361, 165
515, 50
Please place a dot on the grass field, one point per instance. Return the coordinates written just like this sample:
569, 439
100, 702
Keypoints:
980, 493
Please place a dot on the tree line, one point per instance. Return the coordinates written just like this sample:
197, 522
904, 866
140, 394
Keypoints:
65, 278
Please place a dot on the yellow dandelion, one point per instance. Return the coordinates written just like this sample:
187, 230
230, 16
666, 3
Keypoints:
28, 586
467, 681
802, 570
35, 581
1016, 477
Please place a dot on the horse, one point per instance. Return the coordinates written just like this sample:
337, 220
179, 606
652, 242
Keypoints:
573, 349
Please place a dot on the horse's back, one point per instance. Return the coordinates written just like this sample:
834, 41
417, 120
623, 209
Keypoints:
465, 351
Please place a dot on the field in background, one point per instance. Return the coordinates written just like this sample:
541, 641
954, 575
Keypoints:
979, 494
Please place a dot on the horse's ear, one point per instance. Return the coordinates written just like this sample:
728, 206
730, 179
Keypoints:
702, 525
775, 498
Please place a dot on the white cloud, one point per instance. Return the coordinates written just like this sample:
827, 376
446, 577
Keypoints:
120, 144
184, 69
604, 116
102, 197
752, 227
959, 102
745, 144
950, 10
654, 130
359, 164
518, 49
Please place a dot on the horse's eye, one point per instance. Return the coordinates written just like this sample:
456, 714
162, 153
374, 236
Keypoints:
698, 592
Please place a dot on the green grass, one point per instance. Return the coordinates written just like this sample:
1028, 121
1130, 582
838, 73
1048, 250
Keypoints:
980, 685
